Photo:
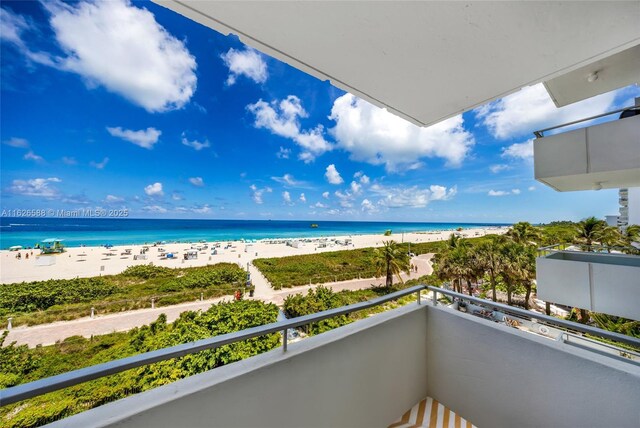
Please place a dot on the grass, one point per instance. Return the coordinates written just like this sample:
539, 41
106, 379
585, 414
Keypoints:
286, 272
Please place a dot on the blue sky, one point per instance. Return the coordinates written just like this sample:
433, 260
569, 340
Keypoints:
119, 104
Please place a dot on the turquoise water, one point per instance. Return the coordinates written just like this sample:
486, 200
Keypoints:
83, 231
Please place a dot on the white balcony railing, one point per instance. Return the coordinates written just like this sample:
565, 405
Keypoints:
370, 372
590, 158
603, 279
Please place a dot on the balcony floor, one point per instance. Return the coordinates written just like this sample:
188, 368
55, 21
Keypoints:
432, 414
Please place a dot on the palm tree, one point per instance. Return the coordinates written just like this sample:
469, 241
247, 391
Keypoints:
456, 241
518, 260
609, 236
528, 272
631, 234
588, 230
490, 256
524, 233
452, 266
475, 268
390, 260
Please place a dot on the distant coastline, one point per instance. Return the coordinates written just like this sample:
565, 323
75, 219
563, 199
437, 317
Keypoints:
94, 232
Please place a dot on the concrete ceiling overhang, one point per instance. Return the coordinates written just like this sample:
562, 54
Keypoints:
427, 61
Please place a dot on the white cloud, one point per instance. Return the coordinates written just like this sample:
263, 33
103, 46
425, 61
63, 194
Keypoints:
303, 198
30, 155
40, 187
124, 49
283, 153
345, 199
531, 109
412, 197
113, 199
155, 209
195, 144
69, 160
499, 168
202, 209
196, 181
248, 63
286, 196
176, 196
76, 199
289, 181
368, 206
20, 143
355, 187
364, 179
319, 205
283, 118
373, 135
144, 138
532, 188
12, 27
99, 165
332, 175
519, 150
154, 189
257, 193
503, 192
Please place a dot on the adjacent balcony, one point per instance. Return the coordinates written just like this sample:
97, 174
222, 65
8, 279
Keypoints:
598, 281
504, 367
591, 158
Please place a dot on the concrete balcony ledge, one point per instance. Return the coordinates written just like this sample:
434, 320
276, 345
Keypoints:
370, 372
600, 282
600, 156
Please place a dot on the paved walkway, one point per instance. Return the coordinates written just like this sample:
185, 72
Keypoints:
47, 334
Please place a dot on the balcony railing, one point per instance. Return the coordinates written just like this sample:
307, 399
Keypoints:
43, 386
595, 277
585, 156
542, 325
54, 383
593, 248
540, 133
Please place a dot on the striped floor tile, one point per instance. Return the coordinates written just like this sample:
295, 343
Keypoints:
429, 413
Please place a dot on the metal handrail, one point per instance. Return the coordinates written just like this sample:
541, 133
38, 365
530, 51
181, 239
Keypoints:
75, 377
621, 338
540, 133
555, 248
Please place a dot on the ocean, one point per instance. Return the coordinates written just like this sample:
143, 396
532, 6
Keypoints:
94, 232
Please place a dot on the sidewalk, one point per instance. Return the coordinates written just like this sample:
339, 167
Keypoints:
48, 334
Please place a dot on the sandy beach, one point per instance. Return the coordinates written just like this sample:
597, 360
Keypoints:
95, 261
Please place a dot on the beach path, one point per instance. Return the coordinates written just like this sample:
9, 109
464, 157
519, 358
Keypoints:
47, 334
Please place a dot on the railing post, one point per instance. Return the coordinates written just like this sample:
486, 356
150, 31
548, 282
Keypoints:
285, 334
93, 312
419, 297
9, 323
153, 303
435, 297
201, 297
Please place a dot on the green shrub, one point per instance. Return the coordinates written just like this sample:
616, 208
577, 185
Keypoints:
40, 295
148, 271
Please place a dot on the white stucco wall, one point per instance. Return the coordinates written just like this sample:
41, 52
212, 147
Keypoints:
499, 377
